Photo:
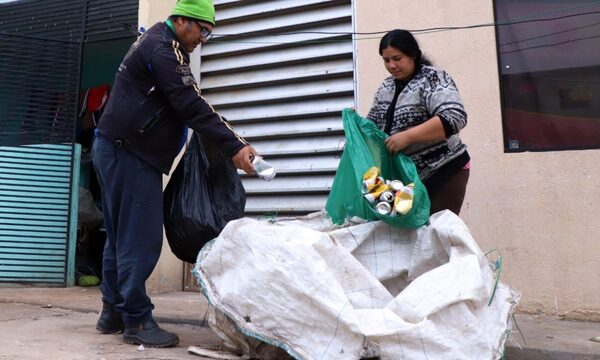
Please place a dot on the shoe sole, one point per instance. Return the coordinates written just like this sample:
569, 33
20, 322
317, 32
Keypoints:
134, 340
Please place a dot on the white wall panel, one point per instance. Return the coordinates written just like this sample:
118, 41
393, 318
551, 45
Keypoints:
277, 57
254, 8
291, 127
259, 77
296, 18
281, 72
286, 204
298, 145
284, 92
303, 108
318, 34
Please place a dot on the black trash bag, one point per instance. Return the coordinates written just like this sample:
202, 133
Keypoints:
204, 193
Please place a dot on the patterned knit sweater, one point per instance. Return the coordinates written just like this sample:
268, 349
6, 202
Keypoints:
430, 92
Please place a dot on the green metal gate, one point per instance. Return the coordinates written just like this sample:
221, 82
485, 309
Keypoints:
38, 213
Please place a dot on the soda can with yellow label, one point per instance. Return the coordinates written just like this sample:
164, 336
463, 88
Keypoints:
370, 176
376, 192
403, 201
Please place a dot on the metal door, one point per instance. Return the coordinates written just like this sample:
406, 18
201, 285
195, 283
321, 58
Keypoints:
281, 72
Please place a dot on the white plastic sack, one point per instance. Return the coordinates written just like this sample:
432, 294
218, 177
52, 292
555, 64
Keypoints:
360, 290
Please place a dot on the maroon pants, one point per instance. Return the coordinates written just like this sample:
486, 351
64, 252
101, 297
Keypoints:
451, 194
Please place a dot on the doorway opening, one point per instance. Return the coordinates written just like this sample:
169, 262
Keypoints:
100, 61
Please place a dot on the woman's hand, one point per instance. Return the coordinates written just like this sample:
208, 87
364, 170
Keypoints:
430, 130
398, 141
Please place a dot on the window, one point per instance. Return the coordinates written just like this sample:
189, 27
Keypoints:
549, 61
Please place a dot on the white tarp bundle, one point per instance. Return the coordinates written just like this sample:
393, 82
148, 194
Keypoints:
367, 289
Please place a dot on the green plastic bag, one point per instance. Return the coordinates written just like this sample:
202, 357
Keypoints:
365, 148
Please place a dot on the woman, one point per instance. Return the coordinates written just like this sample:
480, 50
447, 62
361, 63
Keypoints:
420, 108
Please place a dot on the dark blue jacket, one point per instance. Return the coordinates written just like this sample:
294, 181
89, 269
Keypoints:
155, 96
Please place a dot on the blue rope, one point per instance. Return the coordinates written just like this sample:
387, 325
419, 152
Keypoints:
498, 264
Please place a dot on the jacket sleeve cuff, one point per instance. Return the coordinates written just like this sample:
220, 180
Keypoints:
232, 148
448, 129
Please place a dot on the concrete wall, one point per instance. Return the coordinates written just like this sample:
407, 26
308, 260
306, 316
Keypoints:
539, 209
168, 274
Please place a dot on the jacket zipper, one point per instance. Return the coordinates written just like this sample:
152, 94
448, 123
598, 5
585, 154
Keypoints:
148, 125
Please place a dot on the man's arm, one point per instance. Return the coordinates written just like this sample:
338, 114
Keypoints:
174, 78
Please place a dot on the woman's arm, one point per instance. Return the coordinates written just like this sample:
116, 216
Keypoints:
449, 116
430, 130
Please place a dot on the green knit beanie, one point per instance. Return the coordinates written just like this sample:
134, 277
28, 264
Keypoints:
196, 9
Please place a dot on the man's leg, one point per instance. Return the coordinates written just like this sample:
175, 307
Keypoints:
104, 159
134, 191
139, 234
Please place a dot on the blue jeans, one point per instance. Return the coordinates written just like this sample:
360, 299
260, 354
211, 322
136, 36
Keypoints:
132, 204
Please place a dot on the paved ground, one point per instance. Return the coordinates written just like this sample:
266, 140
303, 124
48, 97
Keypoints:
546, 337
59, 323
35, 332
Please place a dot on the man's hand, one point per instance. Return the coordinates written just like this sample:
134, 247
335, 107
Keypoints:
242, 161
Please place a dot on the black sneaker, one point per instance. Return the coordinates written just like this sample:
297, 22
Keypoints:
110, 321
150, 334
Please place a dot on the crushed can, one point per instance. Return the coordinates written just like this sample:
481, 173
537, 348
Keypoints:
403, 201
371, 175
263, 169
376, 192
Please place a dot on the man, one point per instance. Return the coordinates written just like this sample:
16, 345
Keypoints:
154, 99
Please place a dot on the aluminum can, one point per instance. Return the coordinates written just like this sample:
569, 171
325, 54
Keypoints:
367, 187
387, 196
396, 185
263, 169
383, 208
370, 176
376, 192
403, 200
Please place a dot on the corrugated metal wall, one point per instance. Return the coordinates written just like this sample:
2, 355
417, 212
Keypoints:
281, 72
36, 215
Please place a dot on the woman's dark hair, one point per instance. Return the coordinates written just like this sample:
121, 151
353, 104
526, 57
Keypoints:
404, 41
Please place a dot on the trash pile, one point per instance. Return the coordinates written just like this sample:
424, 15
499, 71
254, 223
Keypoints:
320, 291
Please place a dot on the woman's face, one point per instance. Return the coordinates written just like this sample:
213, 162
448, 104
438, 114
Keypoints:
397, 63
